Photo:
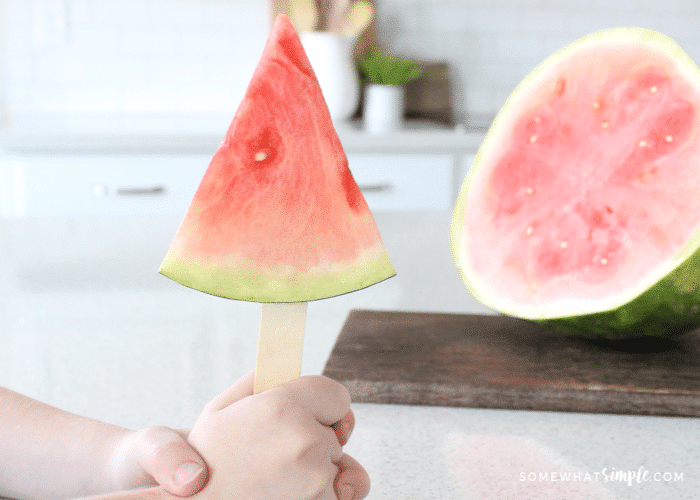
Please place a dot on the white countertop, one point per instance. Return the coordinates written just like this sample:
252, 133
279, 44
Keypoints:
87, 324
62, 137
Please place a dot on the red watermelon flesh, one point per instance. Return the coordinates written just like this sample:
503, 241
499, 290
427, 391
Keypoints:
278, 216
585, 192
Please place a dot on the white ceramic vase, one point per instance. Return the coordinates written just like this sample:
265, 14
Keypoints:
383, 108
330, 55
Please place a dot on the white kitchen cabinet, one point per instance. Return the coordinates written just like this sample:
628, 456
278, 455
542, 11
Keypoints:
404, 182
413, 169
87, 185
124, 185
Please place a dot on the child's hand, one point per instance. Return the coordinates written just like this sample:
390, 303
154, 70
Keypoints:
158, 455
284, 443
46, 452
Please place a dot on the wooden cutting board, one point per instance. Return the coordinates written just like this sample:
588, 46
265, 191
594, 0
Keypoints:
482, 361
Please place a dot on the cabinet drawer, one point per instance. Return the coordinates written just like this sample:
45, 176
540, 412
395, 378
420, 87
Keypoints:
404, 182
99, 185
120, 185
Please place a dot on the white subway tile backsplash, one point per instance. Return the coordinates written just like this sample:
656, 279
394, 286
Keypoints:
65, 70
627, 6
180, 70
545, 23
553, 44
161, 65
205, 43
447, 18
480, 101
121, 14
245, 14
95, 43
121, 71
495, 44
215, 100
20, 71
518, 47
150, 99
131, 61
149, 43
169, 14
86, 99
680, 26
35, 98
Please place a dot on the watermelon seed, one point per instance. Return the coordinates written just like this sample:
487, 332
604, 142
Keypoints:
596, 105
260, 156
642, 143
560, 86
603, 261
530, 190
533, 138
669, 138
605, 124
538, 119
654, 89
563, 244
529, 230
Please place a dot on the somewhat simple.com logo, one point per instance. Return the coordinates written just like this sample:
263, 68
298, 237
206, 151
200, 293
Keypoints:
629, 476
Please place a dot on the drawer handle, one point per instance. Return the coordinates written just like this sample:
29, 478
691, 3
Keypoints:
141, 191
376, 188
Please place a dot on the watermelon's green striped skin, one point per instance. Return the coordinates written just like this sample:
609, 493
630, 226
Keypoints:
592, 226
668, 308
278, 216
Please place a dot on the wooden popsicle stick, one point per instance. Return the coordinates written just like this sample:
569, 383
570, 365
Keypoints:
280, 344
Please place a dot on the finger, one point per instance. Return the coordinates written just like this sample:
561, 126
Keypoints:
327, 400
171, 461
352, 481
343, 428
240, 389
330, 446
326, 485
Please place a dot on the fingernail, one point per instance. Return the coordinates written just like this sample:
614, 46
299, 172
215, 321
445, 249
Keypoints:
187, 473
347, 492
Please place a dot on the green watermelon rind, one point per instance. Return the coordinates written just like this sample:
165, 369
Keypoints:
670, 307
267, 286
663, 304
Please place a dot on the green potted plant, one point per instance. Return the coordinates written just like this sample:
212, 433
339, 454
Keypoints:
386, 77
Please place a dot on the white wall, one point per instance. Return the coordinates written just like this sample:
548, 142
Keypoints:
181, 65
493, 44
4, 21
136, 65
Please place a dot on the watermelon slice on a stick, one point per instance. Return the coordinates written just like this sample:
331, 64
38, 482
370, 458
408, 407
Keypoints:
278, 217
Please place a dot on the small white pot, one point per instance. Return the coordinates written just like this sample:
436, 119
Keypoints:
383, 108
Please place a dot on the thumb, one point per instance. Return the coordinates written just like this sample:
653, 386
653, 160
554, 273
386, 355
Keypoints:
172, 462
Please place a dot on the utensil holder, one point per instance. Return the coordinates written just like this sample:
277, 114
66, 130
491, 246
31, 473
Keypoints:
330, 55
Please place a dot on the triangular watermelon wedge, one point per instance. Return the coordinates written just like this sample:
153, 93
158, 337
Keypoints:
278, 216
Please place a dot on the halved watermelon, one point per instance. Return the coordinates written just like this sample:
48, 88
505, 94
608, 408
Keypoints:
278, 216
582, 207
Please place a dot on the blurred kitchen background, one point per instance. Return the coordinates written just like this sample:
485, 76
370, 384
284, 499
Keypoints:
143, 66
110, 112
